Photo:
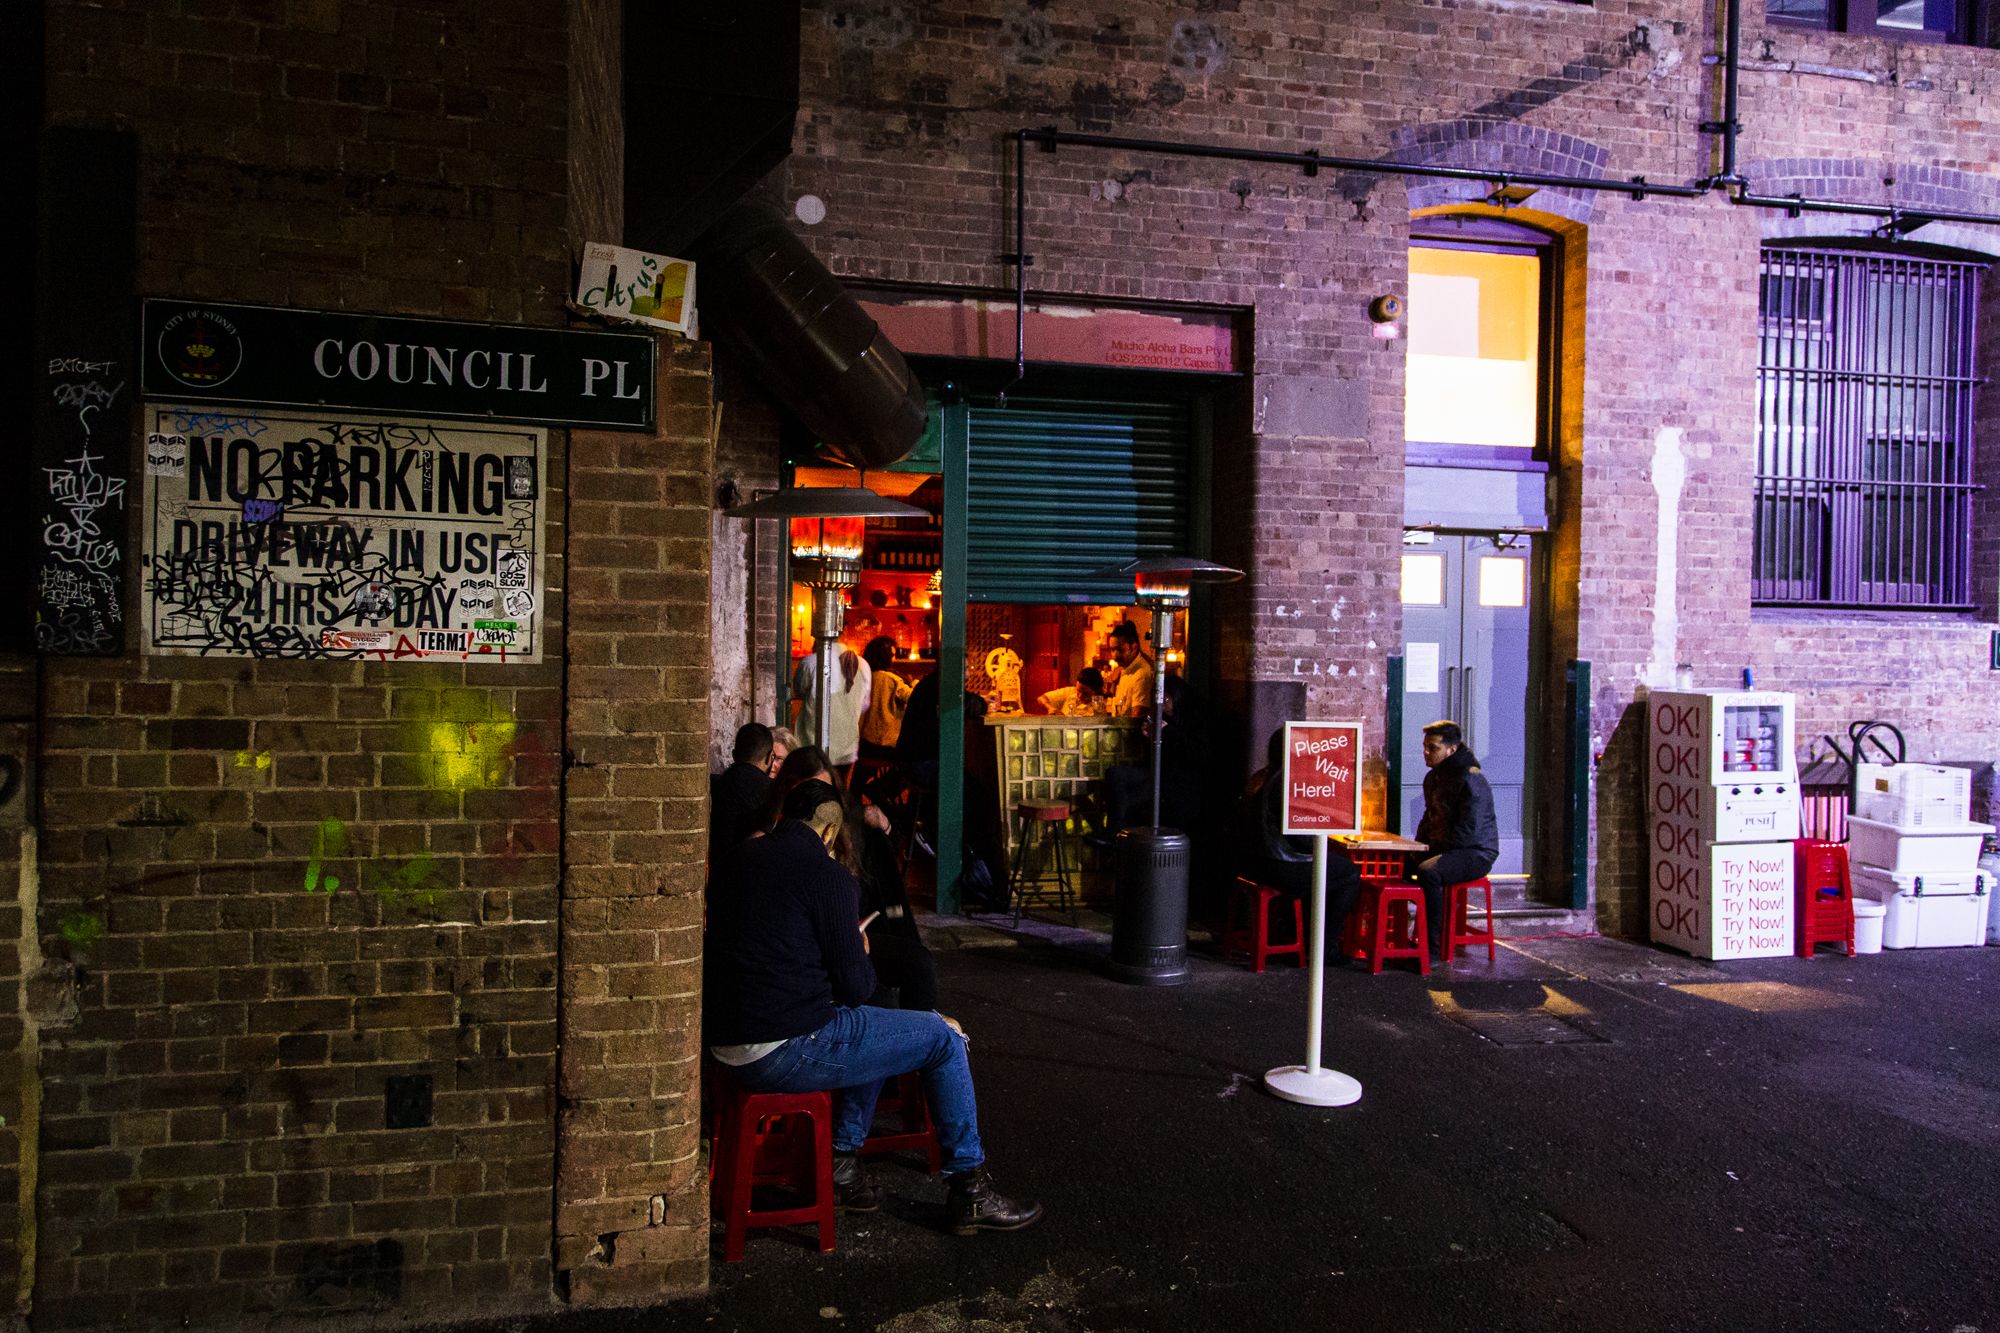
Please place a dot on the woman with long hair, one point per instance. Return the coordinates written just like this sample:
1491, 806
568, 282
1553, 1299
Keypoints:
882, 724
901, 960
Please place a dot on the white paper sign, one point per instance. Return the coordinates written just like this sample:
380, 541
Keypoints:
634, 285
1420, 668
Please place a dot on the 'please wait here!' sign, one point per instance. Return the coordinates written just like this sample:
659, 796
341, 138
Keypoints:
1322, 776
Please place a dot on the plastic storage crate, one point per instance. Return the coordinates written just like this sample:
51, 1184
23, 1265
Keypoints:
1913, 795
1935, 849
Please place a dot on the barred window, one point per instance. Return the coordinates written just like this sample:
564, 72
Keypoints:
1864, 430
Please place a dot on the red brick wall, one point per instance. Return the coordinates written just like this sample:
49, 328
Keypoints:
631, 1196
212, 1134
903, 133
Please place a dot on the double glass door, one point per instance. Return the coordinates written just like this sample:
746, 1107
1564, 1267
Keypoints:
1468, 600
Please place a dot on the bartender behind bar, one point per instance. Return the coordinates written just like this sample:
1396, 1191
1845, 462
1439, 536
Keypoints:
1133, 695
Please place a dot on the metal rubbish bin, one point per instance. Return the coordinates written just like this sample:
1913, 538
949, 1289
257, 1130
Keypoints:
1149, 932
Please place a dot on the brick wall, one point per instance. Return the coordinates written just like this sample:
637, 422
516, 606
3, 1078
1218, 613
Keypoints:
632, 1198
219, 1064
20, 1087
902, 104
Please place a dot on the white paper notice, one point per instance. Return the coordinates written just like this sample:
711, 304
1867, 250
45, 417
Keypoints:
1420, 668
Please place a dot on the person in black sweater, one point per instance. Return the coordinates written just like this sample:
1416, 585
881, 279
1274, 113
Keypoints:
787, 976
1459, 826
737, 794
1128, 788
902, 961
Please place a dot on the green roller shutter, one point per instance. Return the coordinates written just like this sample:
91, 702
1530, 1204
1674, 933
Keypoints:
1060, 489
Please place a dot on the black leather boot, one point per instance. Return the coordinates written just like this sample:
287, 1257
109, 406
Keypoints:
973, 1205
851, 1189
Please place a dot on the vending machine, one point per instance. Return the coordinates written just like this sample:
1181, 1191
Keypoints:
1722, 799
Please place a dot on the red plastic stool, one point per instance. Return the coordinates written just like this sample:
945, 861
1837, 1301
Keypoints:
1825, 895
1253, 936
748, 1125
1457, 918
1391, 934
904, 1095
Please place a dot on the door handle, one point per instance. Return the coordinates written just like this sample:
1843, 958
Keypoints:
1451, 692
1466, 721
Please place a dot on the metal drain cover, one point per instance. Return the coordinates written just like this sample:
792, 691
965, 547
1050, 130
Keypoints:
1524, 1027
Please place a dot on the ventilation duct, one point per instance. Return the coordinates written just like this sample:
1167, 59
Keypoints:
772, 303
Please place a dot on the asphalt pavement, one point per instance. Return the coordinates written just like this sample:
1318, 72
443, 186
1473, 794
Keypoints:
1587, 1134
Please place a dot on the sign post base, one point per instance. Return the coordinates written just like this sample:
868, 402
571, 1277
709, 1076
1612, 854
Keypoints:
1313, 1087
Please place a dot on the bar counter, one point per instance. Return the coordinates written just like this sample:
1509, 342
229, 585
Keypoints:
1047, 758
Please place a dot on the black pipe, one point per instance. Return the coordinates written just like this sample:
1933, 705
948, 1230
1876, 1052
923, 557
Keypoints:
1020, 263
809, 342
1638, 186
1732, 42
1917, 217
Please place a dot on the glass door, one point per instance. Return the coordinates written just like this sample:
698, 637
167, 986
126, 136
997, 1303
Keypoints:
1468, 603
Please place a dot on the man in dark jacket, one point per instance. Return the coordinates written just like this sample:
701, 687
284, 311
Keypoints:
738, 793
788, 978
1459, 826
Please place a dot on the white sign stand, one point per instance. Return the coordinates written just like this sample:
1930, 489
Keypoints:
1309, 1083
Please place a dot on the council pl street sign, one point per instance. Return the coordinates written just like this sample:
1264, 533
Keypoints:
1322, 776
264, 356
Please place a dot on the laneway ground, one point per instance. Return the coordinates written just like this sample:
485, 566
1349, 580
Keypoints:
1589, 1135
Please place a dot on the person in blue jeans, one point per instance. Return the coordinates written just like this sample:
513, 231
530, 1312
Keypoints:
787, 979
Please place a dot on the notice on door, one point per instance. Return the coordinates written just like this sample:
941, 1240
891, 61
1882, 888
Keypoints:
1420, 668
1322, 776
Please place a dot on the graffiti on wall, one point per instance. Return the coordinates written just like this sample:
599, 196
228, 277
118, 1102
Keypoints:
321, 536
82, 510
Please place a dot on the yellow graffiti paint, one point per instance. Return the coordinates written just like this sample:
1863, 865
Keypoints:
329, 843
244, 759
470, 755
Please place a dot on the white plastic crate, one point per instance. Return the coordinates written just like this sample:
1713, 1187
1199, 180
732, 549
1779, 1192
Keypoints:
1951, 849
1913, 795
1927, 911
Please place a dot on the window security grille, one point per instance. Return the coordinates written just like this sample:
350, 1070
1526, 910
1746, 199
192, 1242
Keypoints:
1864, 431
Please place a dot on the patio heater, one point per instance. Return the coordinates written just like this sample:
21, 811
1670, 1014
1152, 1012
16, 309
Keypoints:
825, 527
1149, 930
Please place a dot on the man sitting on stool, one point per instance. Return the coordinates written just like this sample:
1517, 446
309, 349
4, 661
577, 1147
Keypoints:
787, 980
1458, 827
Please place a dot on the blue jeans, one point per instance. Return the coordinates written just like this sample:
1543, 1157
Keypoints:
855, 1052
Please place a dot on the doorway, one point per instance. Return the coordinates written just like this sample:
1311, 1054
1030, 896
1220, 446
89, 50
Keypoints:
1468, 639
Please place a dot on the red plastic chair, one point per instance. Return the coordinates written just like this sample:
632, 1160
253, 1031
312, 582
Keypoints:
1383, 932
757, 1142
904, 1096
1247, 927
1457, 921
1824, 905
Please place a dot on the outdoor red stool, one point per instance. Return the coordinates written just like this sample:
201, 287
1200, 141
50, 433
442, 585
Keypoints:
1253, 936
1824, 895
1457, 918
757, 1142
904, 1095
1391, 934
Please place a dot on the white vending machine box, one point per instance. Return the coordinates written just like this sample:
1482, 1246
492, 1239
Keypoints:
1722, 799
1722, 737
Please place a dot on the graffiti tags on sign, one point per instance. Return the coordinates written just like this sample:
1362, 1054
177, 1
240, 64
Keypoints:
332, 536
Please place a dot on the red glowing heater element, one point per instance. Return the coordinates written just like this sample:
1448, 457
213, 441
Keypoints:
1169, 589
825, 526
838, 538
